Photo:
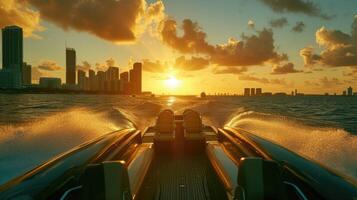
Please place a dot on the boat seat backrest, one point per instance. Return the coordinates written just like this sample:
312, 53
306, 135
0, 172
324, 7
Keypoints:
259, 179
165, 122
192, 121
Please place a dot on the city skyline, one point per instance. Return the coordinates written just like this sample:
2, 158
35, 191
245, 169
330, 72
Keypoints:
296, 45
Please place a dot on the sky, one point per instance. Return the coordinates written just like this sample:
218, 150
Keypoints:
190, 46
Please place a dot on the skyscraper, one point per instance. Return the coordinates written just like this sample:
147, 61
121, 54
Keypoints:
12, 56
135, 78
258, 91
92, 82
12, 47
124, 83
26, 74
70, 66
246, 91
81, 79
349, 91
252, 91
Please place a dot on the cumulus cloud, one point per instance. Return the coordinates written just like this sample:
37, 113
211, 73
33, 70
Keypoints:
251, 50
18, 12
251, 24
296, 6
109, 19
328, 83
299, 27
279, 23
229, 70
156, 67
49, 65
85, 66
262, 80
110, 62
285, 69
192, 64
339, 48
35, 74
193, 39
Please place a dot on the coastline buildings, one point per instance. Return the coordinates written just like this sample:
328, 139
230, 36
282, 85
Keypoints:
50, 83
111, 81
12, 55
253, 92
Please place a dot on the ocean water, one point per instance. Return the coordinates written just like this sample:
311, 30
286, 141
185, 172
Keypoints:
37, 127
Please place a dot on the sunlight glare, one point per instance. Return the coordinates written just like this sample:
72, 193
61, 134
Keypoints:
172, 82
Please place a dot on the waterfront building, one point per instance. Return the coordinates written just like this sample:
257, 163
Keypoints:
252, 91
50, 83
70, 66
124, 83
26, 74
12, 56
258, 91
246, 91
349, 91
81, 75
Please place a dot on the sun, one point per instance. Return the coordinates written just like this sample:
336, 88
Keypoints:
172, 82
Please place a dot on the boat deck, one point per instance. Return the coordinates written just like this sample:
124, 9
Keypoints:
181, 176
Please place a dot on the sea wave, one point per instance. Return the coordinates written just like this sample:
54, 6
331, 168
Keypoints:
24, 146
332, 147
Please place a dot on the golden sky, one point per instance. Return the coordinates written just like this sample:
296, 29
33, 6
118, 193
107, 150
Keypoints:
191, 46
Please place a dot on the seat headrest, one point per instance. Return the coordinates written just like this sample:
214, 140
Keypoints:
192, 121
165, 121
260, 179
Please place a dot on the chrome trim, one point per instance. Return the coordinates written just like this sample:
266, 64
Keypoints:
63, 197
302, 195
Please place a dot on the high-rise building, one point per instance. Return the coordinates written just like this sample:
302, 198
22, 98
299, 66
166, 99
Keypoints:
12, 46
101, 80
26, 74
135, 82
258, 91
70, 66
124, 83
12, 55
246, 91
81, 75
50, 83
252, 91
349, 91
92, 80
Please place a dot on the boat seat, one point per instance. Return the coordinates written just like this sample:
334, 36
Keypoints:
192, 123
165, 126
107, 180
259, 179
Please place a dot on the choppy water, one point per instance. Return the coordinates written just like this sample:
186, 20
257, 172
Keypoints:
34, 128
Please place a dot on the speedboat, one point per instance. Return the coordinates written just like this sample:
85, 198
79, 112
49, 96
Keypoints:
179, 157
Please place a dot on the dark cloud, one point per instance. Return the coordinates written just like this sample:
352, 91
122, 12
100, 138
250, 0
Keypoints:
279, 23
285, 69
339, 48
111, 20
85, 66
49, 66
193, 39
262, 80
296, 6
17, 12
299, 27
156, 67
229, 70
251, 50
192, 64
